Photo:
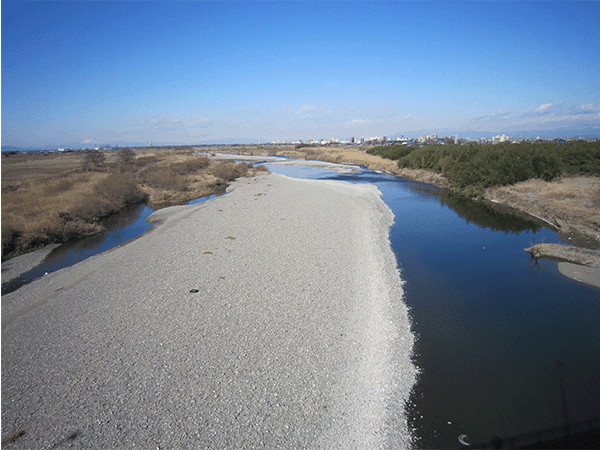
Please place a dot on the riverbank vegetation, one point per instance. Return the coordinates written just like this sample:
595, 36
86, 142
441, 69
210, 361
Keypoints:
475, 167
570, 202
50, 199
558, 183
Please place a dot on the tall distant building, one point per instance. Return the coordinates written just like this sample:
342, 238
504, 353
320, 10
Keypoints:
433, 136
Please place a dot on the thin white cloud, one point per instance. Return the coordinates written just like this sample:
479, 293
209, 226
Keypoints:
587, 108
543, 108
358, 122
498, 115
169, 123
545, 116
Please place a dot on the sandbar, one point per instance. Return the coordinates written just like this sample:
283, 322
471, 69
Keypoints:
272, 316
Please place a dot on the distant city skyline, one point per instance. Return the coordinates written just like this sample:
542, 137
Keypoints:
130, 73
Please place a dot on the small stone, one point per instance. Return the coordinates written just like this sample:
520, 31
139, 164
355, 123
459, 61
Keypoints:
193, 291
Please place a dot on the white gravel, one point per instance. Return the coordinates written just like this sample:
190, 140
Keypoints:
297, 338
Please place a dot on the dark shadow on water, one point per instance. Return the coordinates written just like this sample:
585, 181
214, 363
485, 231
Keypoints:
581, 435
488, 215
483, 214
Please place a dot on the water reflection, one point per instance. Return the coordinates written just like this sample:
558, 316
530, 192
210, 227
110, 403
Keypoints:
485, 215
489, 326
488, 215
119, 229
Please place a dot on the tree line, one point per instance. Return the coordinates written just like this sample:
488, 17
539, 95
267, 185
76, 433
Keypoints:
478, 166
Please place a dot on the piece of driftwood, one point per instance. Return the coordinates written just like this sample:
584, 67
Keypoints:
577, 255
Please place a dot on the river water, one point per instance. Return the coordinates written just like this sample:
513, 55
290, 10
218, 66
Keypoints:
505, 344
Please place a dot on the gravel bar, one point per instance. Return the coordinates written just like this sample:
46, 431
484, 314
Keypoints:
268, 317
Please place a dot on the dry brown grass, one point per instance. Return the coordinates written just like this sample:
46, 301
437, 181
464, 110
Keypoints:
48, 198
571, 203
33, 214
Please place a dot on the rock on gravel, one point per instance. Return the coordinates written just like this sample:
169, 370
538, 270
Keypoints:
297, 336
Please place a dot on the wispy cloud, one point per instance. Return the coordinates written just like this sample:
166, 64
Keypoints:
174, 123
358, 123
544, 110
498, 115
546, 115
587, 108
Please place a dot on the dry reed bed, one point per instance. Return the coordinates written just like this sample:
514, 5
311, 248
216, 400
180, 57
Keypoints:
572, 203
45, 206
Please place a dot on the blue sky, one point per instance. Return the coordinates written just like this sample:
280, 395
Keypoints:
191, 72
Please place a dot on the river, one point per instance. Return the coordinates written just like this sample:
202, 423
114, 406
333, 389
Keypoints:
505, 344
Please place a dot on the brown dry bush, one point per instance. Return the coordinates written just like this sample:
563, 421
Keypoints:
229, 171
10, 239
93, 160
191, 166
61, 184
144, 161
162, 177
261, 168
46, 211
120, 189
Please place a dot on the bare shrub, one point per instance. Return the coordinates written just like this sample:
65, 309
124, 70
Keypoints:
125, 156
111, 194
93, 160
144, 161
59, 185
87, 209
261, 168
162, 178
191, 166
224, 171
228, 171
120, 189
596, 199
10, 239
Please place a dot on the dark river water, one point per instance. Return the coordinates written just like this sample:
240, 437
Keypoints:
506, 345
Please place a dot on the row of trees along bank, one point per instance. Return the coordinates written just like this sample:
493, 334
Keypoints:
475, 167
